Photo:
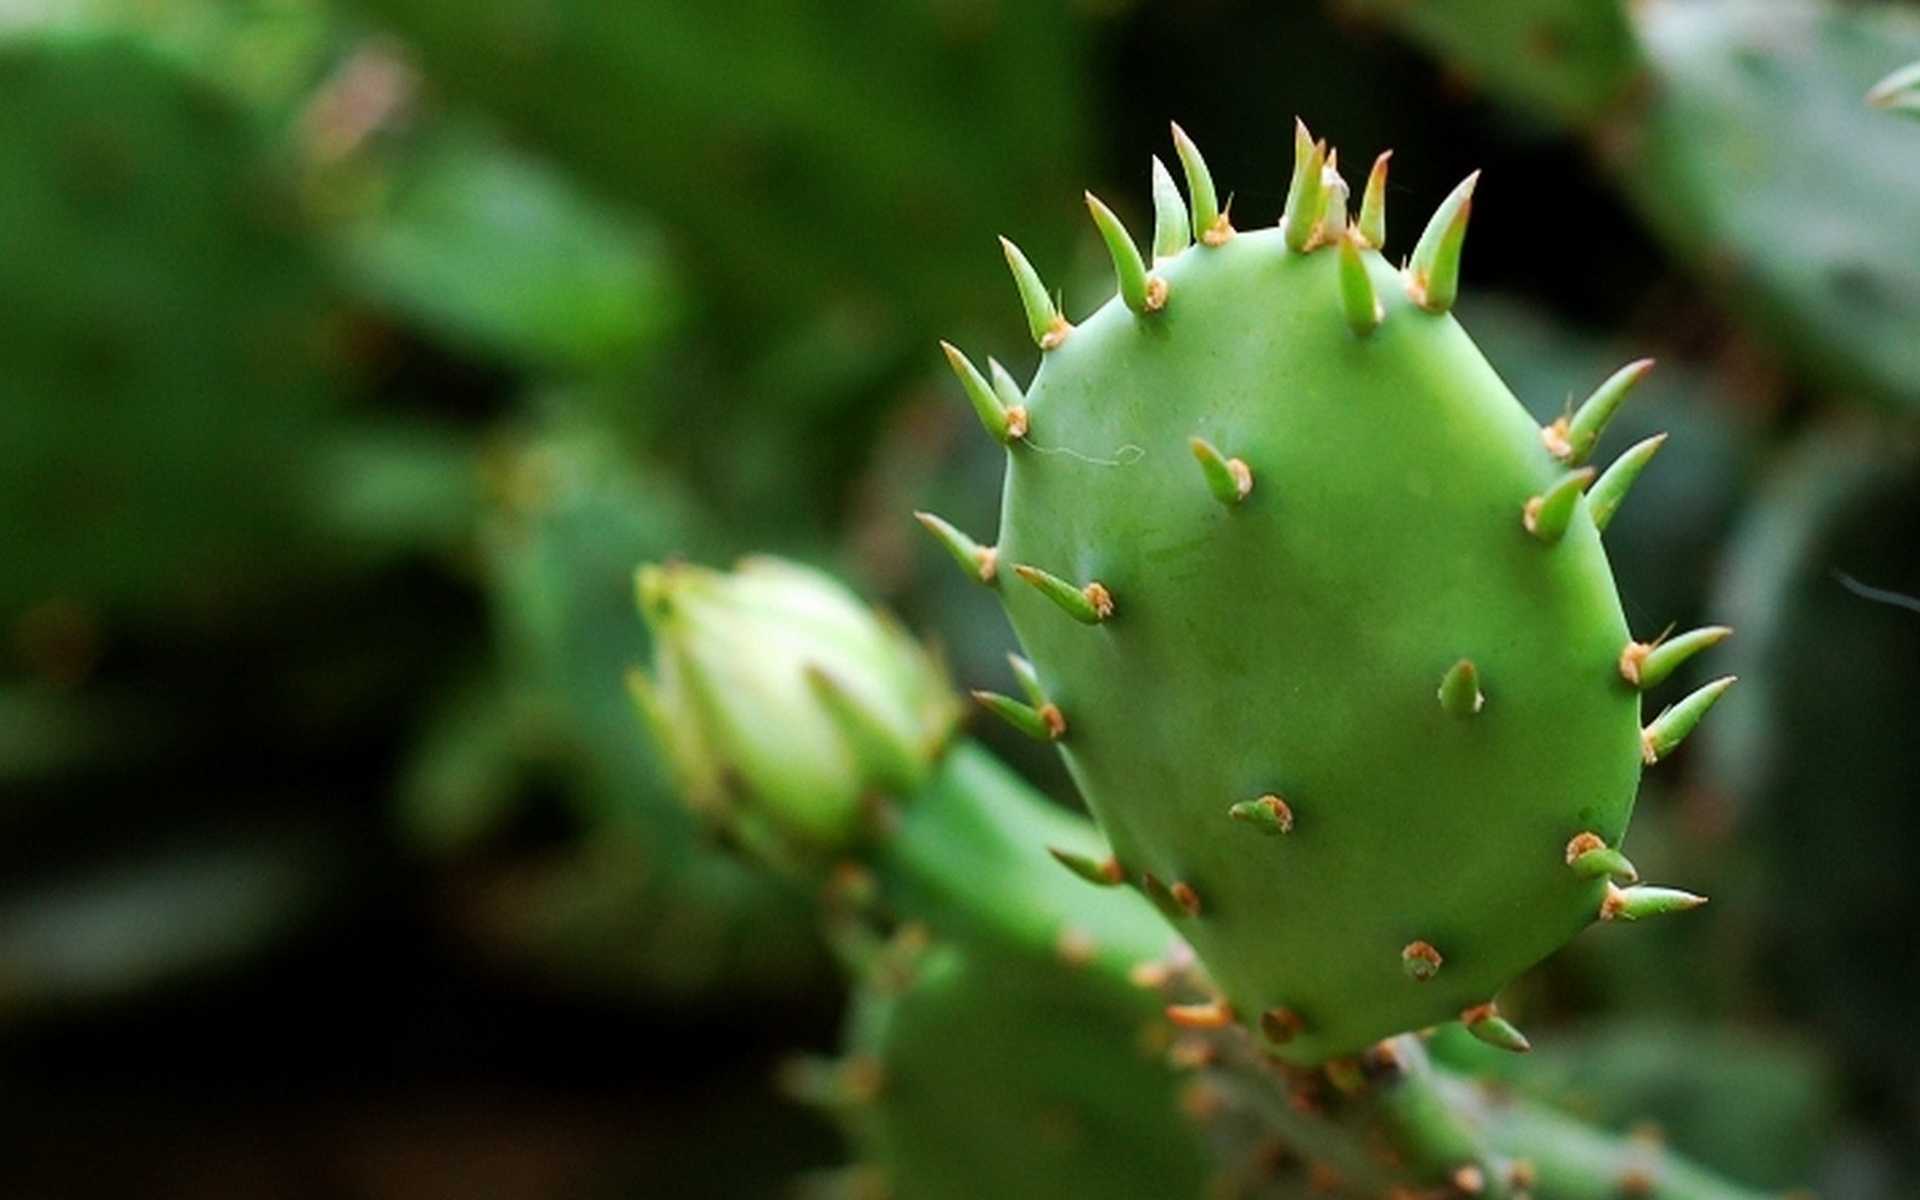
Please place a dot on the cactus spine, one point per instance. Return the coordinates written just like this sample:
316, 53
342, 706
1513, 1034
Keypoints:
1216, 646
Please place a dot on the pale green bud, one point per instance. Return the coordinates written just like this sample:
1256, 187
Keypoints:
783, 700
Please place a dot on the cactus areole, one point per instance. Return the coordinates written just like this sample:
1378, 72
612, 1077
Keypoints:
1285, 536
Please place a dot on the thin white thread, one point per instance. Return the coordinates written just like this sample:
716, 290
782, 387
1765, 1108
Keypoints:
1125, 456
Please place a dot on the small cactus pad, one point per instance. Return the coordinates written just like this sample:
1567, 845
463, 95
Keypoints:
1410, 531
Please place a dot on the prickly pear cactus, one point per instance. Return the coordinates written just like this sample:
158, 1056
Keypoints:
1320, 618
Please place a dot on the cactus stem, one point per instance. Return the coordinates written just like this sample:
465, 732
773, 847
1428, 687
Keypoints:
1100, 872
1006, 423
1212, 1014
1591, 858
1229, 479
1281, 1025
1672, 726
1611, 488
1041, 724
1485, 1022
1637, 903
1647, 665
1044, 319
1460, 693
1433, 275
1163, 898
1571, 438
1548, 515
1306, 194
1205, 202
1136, 289
1089, 605
1420, 961
1357, 299
1171, 232
1373, 204
1269, 814
979, 562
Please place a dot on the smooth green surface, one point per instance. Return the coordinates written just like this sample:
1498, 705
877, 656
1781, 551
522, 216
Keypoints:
1293, 643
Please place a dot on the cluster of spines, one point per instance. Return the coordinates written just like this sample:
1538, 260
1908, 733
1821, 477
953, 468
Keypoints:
1317, 216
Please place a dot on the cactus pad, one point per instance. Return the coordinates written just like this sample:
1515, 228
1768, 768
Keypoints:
1397, 628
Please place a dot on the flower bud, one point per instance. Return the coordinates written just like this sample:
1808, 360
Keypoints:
783, 701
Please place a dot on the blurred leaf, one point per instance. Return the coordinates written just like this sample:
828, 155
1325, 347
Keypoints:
161, 327
1759, 164
502, 256
1759, 1108
1817, 746
109, 933
1566, 60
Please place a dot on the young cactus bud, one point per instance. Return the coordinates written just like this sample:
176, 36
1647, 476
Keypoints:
777, 680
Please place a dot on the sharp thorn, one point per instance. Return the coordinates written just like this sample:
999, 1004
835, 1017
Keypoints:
1643, 901
1485, 1022
1171, 231
1269, 814
1041, 724
1433, 274
1591, 858
1044, 319
1088, 605
1611, 488
1373, 204
1101, 872
1204, 201
1571, 438
1460, 693
1029, 680
1005, 423
1128, 268
979, 562
1229, 479
1647, 665
1307, 193
1671, 727
1357, 299
1548, 515
1420, 961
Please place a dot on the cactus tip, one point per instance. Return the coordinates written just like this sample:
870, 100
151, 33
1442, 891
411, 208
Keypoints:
1433, 274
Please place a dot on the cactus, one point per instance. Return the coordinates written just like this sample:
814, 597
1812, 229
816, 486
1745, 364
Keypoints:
1358, 722
996, 1044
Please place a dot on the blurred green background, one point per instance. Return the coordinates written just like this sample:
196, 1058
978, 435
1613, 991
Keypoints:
352, 355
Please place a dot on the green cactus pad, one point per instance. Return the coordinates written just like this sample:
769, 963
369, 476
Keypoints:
1303, 643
